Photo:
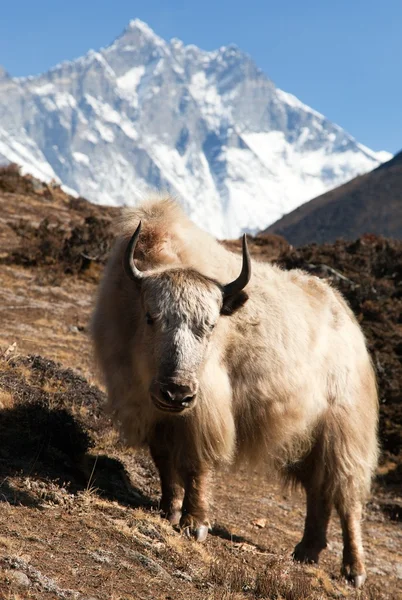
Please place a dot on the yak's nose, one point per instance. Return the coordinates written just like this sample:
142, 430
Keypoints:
175, 396
175, 393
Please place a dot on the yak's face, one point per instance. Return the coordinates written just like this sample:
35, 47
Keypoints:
180, 309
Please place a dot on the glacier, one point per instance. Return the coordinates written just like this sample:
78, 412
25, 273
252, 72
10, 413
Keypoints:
209, 127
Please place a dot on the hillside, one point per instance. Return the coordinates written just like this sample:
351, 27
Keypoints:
371, 203
210, 127
79, 515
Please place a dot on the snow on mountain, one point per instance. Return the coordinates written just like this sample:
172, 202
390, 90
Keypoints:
209, 127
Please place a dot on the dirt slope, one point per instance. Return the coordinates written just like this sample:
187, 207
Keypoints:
78, 514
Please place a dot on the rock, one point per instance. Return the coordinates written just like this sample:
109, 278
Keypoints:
19, 578
183, 575
260, 523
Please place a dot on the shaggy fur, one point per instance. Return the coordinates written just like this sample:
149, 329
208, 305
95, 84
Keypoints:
284, 381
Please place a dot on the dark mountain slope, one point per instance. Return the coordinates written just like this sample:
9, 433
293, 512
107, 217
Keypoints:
371, 203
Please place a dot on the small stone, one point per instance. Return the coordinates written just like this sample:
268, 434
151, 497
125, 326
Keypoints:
19, 578
260, 523
183, 575
101, 556
10, 350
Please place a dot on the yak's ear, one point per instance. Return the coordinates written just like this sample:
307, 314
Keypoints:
232, 303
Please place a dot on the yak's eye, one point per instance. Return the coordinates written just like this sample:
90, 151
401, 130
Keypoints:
211, 326
149, 319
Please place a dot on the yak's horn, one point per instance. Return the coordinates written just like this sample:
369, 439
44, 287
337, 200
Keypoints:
238, 284
129, 264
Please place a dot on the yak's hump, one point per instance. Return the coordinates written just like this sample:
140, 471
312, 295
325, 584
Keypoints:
170, 239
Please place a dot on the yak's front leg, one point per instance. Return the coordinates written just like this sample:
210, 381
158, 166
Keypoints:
195, 513
172, 489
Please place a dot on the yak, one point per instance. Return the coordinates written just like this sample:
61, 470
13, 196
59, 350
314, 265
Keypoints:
212, 359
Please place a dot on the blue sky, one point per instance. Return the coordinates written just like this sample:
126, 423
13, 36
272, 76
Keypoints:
342, 58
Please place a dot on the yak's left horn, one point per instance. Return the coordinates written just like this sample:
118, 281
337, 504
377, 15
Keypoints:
238, 284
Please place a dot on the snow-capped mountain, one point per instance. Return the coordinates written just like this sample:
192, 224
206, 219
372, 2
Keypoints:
209, 127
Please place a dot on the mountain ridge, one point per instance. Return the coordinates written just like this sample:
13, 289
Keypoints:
370, 203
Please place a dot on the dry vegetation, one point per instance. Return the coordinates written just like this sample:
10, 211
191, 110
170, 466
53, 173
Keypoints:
79, 515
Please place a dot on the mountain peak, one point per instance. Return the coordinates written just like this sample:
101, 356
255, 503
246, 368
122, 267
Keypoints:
137, 26
135, 37
141, 26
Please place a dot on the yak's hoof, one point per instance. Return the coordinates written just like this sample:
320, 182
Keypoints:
170, 512
199, 533
356, 580
304, 554
173, 516
192, 529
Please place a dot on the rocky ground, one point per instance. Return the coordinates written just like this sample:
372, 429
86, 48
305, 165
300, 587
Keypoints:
79, 512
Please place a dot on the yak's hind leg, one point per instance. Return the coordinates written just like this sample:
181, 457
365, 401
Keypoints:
338, 471
194, 520
310, 474
351, 456
350, 512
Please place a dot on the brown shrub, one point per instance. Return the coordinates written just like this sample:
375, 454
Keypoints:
52, 245
12, 181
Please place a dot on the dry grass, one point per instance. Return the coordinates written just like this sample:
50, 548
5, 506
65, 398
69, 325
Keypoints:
277, 581
6, 400
275, 584
232, 577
